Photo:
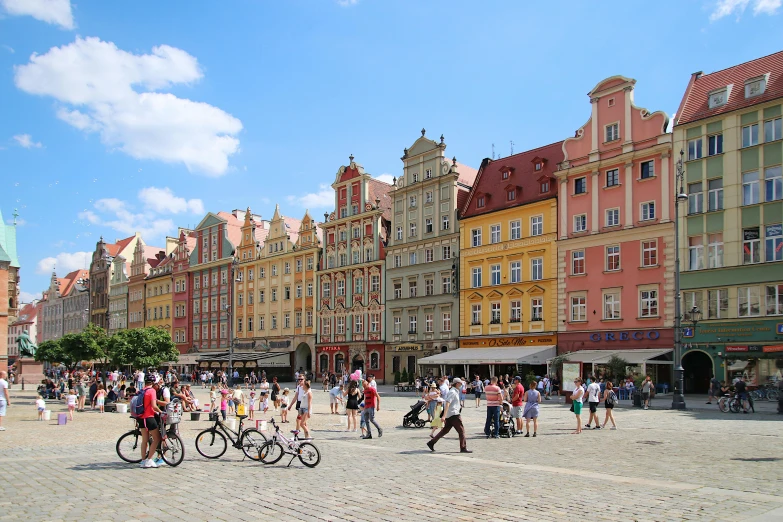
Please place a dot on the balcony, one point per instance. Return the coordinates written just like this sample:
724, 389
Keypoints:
515, 320
411, 332
495, 321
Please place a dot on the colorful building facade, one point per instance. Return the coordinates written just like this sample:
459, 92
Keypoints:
118, 295
731, 239
100, 275
76, 302
159, 292
182, 291
351, 298
9, 285
616, 236
144, 258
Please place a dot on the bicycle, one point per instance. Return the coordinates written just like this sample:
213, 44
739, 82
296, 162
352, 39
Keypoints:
170, 449
734, 404
765, 391
272, 451
211, 443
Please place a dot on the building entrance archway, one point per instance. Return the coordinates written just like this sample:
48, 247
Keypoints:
303, 358
698, 371
358, 364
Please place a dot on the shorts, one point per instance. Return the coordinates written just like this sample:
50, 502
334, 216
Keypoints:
743, 396
2, 408
608, 406
150, 423
41, 409
99, 402
516, 412
477, 394
645, 396
333, 399
303, 411
593, 407
577, 407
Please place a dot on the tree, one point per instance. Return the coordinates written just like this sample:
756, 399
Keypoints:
617, 367
143, 347
77, 347
397, 377
404, 375
52, 352
556, 364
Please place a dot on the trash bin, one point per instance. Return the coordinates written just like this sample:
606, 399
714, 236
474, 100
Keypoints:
636, 396
47, 415
195, 415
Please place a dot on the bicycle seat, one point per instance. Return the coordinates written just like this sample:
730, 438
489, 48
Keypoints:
295, 432
241, 417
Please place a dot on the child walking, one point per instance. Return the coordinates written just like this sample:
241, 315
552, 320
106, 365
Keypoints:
41, 405
252, 404
264, 402
284, 406
212, 398
71, 402
223, 403
100, 397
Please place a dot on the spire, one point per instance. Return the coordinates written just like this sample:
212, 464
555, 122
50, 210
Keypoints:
16, 215
277, 213
248, 217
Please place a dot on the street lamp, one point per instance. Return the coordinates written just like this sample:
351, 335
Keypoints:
227, 308
678, 398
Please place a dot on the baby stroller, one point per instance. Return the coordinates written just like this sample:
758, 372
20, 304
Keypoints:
507, 428
411, 418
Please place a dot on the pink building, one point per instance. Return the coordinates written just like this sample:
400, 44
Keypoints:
616, 234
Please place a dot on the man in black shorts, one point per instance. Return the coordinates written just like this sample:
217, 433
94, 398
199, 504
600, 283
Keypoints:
148, 424
742, 393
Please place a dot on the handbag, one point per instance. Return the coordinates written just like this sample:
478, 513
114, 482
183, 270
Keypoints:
572, 407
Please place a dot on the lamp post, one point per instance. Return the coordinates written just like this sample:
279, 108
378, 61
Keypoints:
227, 308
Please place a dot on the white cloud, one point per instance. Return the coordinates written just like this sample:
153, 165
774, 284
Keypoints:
727, 7
27, 297
164, 201
26, 141
112, 92
56, 12
347, 3
64, 262
386, 178
323, 199
19, 222
8, 48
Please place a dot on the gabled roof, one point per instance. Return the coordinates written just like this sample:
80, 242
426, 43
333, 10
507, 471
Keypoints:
489, 181
380, 190
233, 228
695, 102
72, 281
27, 314
115, 248
467, 175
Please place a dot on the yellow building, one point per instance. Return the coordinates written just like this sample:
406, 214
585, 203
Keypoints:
159, 291
508, 261
275, 291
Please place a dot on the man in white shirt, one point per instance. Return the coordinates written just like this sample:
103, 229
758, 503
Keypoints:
373, 384
451, 412
335, 399
443, 385
593, 398
5, 399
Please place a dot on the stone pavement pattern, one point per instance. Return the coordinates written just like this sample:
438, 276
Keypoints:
660, 465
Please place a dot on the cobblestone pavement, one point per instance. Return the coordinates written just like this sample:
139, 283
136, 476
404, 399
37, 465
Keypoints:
659, 465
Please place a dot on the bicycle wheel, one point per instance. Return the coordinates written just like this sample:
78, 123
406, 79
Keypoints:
271, 452
309, 454
723, 405
757, 394
172, 450
735, 405
773, 394
211, 444
252, 441
129, 447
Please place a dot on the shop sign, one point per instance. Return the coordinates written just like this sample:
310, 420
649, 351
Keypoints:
773, 349
332, 348
747, 331
637, 335
279, 344
499, 342
244, 344
750, 348
407, 347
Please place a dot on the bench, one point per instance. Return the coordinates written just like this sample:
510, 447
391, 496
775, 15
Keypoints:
405, 387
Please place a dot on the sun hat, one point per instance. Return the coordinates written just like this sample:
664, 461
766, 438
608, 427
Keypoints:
455, 381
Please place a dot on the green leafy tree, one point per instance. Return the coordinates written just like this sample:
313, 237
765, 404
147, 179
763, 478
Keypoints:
52, 352
616, 368
404, 375
556, 364
143, 347
397, 377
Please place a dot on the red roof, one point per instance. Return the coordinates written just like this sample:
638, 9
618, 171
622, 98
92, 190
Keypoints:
467, 175
695, 103
380, 191
115, 248
71, 279
27, 314
522, 175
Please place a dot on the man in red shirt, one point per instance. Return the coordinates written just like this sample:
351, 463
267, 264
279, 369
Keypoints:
517, 398
372, 402
494, 402
148, 424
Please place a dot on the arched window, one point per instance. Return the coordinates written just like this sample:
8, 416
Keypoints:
339, 362
323, 363
375, 361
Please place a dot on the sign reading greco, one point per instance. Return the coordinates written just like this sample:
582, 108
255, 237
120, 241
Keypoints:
495, 342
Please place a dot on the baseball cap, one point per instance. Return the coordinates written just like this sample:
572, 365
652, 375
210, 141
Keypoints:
455, 381
149, 378
517, 378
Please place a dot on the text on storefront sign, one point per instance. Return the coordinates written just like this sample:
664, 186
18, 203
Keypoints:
625, 336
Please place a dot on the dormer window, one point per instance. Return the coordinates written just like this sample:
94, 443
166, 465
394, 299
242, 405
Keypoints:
544, 187
504, 174
511, 194
538, 165
480, 202
718, 98
755, 86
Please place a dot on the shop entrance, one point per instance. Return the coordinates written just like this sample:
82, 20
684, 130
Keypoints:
358, 364
698, 371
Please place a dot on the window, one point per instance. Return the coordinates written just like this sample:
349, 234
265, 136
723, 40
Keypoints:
399, 233
649, 302
326, 289
755, 87
774, 299
428, 196
504, 174
516, 271
476, 237
516, 229
537, 225
310, 262
375, 283
494, 274
695, 253
287, 269
750, 135
494, 313
715, 194
397, 324
412, 289
748, 301
356, 256
773, 238
694, 149
368, 255
260, 296
537, 269
613, 132
695, 198
239, 299
429, 286
428, 225
612, 177
274, 270
648, 211
428, 323
511, 195
715, 144
475, 280
274, 294
537, 309
358, 323
580, 223
773, 183
715, 250
648, 169
412, 319
691, 299
613, 257
444, 222
475, 314
515, 311
262, 272
612, 217
579, 308
398, 290
446, 252
412, 230
375, 322
274, 322
340, 325
716, 99
750, 188
340, 287
772, 130
239, 324
446, 284
298, 319
429, 255
751, 245
415, 177
580, 186
358, 286
326, 327
309, 290
412, 258
649, 253
612, 304
397, 261
718, 303
494, 233
446, 321
577, 262
480, 202
343, 212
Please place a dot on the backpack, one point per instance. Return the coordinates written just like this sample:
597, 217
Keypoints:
137, 404
612, 399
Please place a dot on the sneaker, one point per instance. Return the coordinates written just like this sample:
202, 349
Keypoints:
380, 433
613, 428
527, 435
534, 434
159, 461
143, 463
431, 446
463, 451
2, 428
366, 436
597, 427
150, 464
587, 426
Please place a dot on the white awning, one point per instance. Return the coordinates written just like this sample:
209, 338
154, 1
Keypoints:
633, 357
188, 358
737, 366
510, 355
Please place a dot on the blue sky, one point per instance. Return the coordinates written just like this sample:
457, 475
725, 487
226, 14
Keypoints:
115, 119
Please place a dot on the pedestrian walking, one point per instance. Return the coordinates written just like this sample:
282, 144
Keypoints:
351, 404
593, 399
610, 399
517, 398
5, 399
494, 398
283, 399
647, 389
372, 402
576, 404
478, 388
71, 400
452, 419
275, 392
714, 390
437, 419
532, 402
305, 409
